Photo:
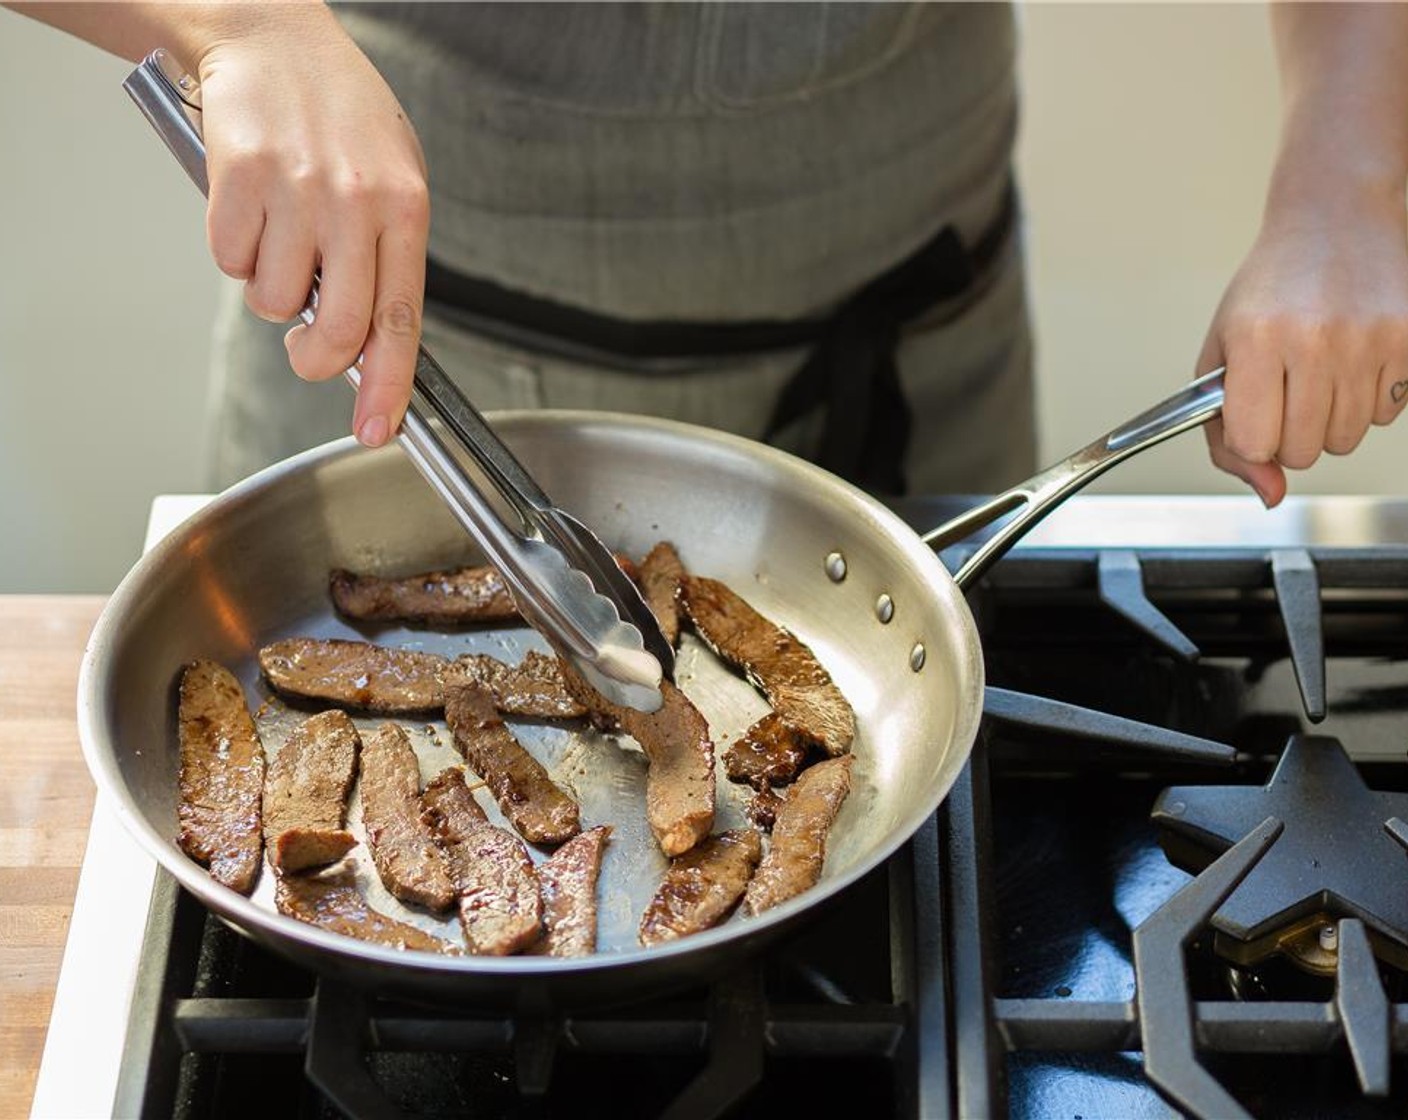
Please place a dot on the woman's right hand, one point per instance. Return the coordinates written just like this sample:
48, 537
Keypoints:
313, 164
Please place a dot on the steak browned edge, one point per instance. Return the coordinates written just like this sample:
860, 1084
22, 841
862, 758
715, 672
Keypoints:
794, 861
780, 665
222, 776
306, 787
410, 865
356, 674
702, 887
535, 806
500, 904
679, 785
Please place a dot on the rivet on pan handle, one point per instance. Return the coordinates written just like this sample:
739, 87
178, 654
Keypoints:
1195, 404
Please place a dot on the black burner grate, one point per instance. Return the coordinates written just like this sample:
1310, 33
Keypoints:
826, 1020
1092, 976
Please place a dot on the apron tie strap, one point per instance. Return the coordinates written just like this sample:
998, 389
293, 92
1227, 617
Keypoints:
852, 375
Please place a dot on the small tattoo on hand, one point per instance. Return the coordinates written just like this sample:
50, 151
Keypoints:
1398, 390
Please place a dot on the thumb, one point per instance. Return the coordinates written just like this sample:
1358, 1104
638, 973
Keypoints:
1267, 479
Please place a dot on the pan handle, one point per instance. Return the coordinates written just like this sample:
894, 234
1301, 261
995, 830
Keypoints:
1195, 404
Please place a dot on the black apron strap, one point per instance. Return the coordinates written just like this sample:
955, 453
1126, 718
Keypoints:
852, 375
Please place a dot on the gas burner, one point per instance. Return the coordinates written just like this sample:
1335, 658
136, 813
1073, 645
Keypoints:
1335, 859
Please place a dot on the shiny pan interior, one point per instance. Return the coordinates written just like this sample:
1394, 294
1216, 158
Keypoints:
253, 565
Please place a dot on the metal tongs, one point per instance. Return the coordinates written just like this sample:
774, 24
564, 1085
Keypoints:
565, 582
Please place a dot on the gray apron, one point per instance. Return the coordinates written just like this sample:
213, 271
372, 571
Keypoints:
711, 162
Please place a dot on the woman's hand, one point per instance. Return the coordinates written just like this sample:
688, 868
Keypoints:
314, 165
1313, 331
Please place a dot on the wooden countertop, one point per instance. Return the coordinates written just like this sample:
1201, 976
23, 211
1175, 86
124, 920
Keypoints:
46, 800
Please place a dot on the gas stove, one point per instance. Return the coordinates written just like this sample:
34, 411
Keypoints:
1169, 883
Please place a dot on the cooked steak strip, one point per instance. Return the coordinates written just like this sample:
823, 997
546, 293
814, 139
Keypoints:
702, 886
332, 901
786, 671
355, 674
453, 597
446, 598
307, 783
410, 865
222, 776
768, 754
660, 576
534, 687
401, 681
568, 881
499, 902
798, 849
763, 806
300, 849
679, 786
534, 805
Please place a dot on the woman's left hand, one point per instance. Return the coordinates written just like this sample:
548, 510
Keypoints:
1313, 331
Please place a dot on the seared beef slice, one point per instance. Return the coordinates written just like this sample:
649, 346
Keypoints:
448, 598
660, 575
355, 674
299, 849
679, 786
568, 881
768, 754
702, 886
410, 865
534, 687
332, 901
763, 806
534, 805
787, 672
305, 793
499, 901
456, 597
798, 850
222, 776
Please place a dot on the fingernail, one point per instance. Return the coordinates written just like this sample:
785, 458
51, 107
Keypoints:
373, 431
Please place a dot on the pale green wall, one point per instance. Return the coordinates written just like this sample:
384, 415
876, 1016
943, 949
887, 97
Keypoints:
1148, 136
105, 307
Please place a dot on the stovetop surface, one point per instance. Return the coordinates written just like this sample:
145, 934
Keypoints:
990, 969
637, 1060
1076, 865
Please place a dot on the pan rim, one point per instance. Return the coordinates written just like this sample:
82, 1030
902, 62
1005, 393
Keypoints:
244, 914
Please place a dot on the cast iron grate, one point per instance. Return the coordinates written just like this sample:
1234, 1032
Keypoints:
223, 1028
1048, 786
